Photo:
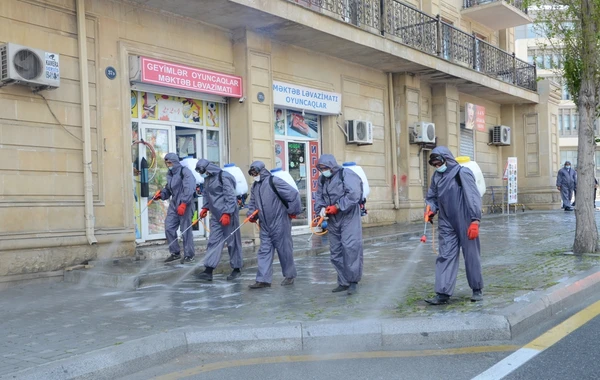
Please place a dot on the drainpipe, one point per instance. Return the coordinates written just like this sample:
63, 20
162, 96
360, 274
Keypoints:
88, 184
393, 142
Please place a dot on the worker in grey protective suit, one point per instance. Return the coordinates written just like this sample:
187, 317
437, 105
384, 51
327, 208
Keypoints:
566, 183
180, 189
220, 199
338, 196
454, 197
277, 203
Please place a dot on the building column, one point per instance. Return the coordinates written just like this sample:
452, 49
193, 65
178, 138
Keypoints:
250, 122
407, 111
446, 114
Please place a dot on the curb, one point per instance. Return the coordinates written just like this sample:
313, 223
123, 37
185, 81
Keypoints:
527, 311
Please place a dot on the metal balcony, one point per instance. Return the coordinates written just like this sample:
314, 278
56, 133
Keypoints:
497, 14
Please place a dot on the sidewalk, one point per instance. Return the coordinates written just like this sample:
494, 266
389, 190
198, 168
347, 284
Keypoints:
68, 330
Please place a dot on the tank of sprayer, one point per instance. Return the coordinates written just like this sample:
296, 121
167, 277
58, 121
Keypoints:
278, 172
467, 163
190, 163
361, 173
241, 186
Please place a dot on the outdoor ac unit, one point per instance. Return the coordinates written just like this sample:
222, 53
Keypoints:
423, 132
30, 67
359, 132
501, 135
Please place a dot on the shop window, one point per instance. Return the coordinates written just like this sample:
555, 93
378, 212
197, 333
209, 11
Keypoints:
296, 151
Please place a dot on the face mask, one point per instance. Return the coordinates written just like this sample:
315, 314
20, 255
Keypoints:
568, 166
257, 178
441, 169
203, 175
170, 168
327, 173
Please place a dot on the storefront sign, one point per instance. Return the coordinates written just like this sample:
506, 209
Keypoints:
303, 98
475, 117
313, 156
511, 176
189, 78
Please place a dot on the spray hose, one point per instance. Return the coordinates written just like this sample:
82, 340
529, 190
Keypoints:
318, 221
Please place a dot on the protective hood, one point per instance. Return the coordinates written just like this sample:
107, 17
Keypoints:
210, 168
264, 173
174, 159
329, 161
448, 156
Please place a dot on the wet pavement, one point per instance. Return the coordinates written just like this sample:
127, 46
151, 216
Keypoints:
520, 254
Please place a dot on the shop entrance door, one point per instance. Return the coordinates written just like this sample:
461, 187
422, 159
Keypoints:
297, 167
153, 217
190, 146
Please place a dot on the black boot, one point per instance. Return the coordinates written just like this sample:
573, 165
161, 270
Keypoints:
340, 288
477, 296
173, 257
353, 288
259, 285
234, 274
439, 299
206, 275
287, 281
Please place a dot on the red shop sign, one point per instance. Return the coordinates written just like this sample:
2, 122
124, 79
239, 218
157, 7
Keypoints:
189, 78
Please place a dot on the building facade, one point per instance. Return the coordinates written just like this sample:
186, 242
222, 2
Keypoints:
281, 81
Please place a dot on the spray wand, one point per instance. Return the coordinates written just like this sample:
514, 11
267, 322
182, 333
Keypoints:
150, 201
424, 237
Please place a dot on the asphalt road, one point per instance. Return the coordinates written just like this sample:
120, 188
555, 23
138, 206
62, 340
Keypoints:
573, 357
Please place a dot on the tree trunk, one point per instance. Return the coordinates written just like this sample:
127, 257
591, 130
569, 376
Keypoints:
586, 232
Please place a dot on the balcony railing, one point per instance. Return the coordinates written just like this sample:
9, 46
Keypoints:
428, 34
519, 4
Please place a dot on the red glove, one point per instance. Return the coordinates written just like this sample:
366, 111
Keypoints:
331, 210
473, 231
225, 220
203, 213
292, 216
181, 209
429, 216
252, 220
157, 195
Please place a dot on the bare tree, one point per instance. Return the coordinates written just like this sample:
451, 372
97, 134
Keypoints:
572, 27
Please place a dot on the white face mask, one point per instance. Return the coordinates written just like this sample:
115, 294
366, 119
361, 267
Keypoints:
203, 175
327, 173
257, 178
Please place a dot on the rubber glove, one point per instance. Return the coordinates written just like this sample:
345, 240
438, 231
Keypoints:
473, 231
331, 210
181, 209
203, 213
225, 220
429, 216
292, 216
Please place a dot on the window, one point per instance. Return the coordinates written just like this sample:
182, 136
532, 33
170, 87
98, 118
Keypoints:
565, 92
568, 155
575, 121
560, 124
567, 121
530, 59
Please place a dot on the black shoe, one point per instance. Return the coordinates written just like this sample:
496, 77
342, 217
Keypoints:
234, 274
340, 288
439, 299
259, 285
477, 296
353, 288
204, 276
287, 281
173, 258
568, 209
188, 260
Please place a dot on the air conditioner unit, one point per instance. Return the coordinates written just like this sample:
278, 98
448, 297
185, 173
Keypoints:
500, 135
30, 67
423, 132
359, 132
